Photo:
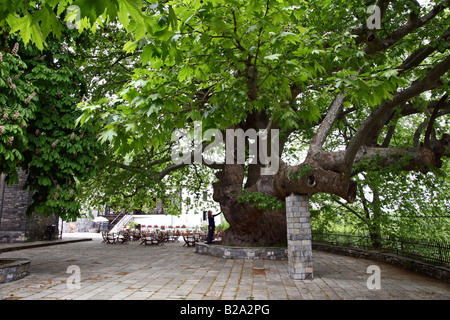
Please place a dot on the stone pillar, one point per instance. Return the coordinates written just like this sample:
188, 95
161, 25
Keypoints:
300, 264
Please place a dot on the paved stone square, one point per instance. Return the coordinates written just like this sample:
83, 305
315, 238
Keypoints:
171, 271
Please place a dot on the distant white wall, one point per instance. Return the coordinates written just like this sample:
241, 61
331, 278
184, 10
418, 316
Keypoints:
192, 218
190, 221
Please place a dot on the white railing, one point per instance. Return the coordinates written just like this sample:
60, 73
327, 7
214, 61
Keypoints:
122, 223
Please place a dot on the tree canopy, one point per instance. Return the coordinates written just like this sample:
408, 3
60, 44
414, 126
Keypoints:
39, 92
317, 71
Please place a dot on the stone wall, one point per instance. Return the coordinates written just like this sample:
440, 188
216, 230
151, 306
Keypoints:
246, 253
15, 225
14, 269
36, 227
14, 203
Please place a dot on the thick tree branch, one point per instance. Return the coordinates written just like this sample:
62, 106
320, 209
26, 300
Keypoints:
376, 44
389, 135
134, 192
409, 108
418, 132
431, 80
169, 169
433, 117
349, 209
423, 125
326, 125
333, 114
422, 53
375, 158
406, 110
304, 179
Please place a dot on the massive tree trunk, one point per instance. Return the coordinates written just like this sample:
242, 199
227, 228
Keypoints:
251, 226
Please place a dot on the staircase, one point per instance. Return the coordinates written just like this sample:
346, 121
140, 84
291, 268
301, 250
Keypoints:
120, 222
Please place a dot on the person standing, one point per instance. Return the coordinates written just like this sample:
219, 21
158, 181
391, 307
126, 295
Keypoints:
211, 226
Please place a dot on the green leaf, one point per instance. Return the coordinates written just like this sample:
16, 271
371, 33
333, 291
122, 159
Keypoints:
130, 46
164, 35
93, 9
389, 73
290, 37
107, 135
184, 73
22, 24
44, 181
152, 109
129, 8
38, 38
273, 56
173, 18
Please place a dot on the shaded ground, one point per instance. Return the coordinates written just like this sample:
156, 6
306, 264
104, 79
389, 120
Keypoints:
172, 271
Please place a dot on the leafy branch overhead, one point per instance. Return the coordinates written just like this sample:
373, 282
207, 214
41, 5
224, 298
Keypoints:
261, 200
37, 126
313, 69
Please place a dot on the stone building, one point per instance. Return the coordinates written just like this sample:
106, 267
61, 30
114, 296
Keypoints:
15, 225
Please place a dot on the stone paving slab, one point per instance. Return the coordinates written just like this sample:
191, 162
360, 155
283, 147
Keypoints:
174, 272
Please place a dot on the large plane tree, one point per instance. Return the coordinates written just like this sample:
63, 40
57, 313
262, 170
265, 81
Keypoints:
305, 68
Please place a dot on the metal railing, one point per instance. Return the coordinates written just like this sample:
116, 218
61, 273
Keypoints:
430, 251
